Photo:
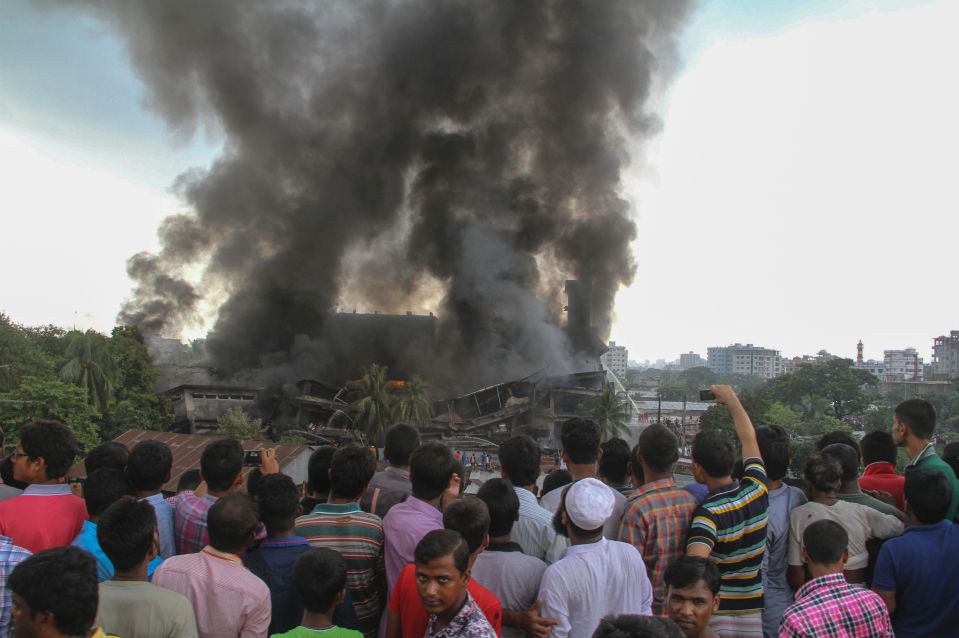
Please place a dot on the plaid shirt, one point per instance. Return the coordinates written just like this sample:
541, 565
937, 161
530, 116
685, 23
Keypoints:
829, 607
470, 622
656, 520
189, 521
10, 557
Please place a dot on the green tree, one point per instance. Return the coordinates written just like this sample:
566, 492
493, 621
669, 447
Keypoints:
38, 398
415, 407
20, 356
238, 424
90, 366
781, 415
609, 412
137, 404
836, 381
376, 406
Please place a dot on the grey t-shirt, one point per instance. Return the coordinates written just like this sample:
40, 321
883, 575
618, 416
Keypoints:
512, 576
389, 487
869, 501
137, 609
778, 595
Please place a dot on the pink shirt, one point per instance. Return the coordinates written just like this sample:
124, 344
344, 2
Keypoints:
229, 601
404, 526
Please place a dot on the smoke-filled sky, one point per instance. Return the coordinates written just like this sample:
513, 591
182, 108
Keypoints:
797, 193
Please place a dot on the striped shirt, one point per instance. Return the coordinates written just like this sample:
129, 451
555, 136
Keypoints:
656, 520
829, 607
10, 557
732, 523
358, 536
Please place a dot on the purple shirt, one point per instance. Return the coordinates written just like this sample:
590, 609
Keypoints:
404, 526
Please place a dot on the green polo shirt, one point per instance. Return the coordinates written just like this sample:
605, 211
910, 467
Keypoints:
929, 460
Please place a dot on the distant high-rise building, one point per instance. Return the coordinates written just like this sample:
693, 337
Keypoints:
691, 360
616, 359
747, 360
945, 355
902, 365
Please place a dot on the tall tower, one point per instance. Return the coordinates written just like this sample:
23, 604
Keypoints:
859, 354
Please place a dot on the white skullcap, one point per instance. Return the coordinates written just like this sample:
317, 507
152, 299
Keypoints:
589, 503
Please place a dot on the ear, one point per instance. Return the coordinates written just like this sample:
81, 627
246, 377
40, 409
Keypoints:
716, 602
485, 542
467, 575
845, 557
565, 456
340, 597
238, 481
599, 455
805, 556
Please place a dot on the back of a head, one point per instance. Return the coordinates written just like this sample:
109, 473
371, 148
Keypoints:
502, 504
432, 466
825, 541
928, 494
54, 442
189, 480
278, 501
102, 488
149, 465
470, 517
919, 416
633, 626
774, 447
318, 470
877, 447
580, 439
686, 571
847, 457
823, 472
319, 575
6, 474
231, 522
61, 582
715, 453
401, 440
221, 463
125, 532
109, 454
950, 454
555, 480
838, 436
443, 542
614, 464
351, 470
659, 447
520, 458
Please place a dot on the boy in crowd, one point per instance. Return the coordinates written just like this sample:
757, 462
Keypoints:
613, 468
519, 459
631, 626
318, 477
392, 485
149, 467
110, 454
730, 525
442, 574
879, 458
319, 579
849, 491
913, 426
774, 445
102, 488
47, 514
129, 605
922, 599
828, 605
692, 595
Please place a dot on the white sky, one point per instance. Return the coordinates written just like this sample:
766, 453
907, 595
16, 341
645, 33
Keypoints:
799, 196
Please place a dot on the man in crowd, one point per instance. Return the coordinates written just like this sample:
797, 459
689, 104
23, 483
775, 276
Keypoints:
730, 525
519, 459
828, 605
774, 446
227, 598
632, 626
10, 556
913, 425
613, 467
148, 469
110, 454
692, 595
658, 514
318, 477
102, 488
915, 573
596, 576
392, 485
47, 514
319, 578
879, 458
850, 491
130, 606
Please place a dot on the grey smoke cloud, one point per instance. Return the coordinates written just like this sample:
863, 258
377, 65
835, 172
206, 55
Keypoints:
401, 146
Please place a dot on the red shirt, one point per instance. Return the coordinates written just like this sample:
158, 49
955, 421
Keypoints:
882, 476
44, 516
406, 602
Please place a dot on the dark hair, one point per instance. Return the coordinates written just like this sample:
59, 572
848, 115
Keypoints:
277, 499
125, 532
53, 442
401, 440
253, 480
928, 493
149, 465
109, 454
556, 479
614, 464
231, 522
102, 488
443, 542
220, 464
502, 504
319, 575
520, 458
432, 466
189, 480
825, 541
580, 439
6, 473
775, 450
689, 570
878, 446
823, 472
63, 582
318, 470
847, 457
838, 436
351, 470
714, 452
950, 454
470, 518
919, 416
658, 447
633, 626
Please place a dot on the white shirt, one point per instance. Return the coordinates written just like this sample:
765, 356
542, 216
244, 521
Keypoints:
512, 576
534, 530
551, 501
592, 581
861, 523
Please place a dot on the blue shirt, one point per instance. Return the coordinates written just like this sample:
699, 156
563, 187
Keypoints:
87, 539
164, 514
698, 490
920, 567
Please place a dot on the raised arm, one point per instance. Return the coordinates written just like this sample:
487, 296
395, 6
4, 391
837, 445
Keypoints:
725, 395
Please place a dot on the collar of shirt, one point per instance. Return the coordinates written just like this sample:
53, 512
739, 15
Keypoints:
338, 508
460, 621
209, 550
879, 467
930, 449
403, 474
931, 527
421, 506
56, 489
525, 496
508, 546
645, 488
289, 541
585, 548
823, 582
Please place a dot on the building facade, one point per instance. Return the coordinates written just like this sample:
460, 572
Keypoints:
747, 360
691, 360
945, 355
902, 365
615, 360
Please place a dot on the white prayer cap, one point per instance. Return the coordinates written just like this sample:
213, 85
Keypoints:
589, 503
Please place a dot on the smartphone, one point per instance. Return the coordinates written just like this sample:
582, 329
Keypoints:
707, 395
251, 458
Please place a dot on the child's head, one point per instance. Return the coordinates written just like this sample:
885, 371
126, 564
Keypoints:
127, 532
149, 465
351, 471
319, 578
278, 500
103, 488
46, 451
442, 571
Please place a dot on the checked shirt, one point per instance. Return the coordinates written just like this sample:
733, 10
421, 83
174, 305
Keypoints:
829, 607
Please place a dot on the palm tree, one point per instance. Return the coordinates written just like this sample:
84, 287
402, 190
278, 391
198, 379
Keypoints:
610, 414
376, 407
90, 366
415, 407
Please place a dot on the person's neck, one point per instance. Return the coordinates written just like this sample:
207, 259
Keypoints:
336, 500
651, 476
578, 540
219, 493
774, 485
55, 481
445, 617
915, 446
817, 571
580, 471
137, 574
144, 493
287, 533
500, 540
824, 498
716, 483
316, 620
435, 502
850, 487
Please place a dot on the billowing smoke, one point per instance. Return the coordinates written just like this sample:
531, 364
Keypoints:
392, 154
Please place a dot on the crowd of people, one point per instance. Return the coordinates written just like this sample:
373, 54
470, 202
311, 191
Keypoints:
609, 547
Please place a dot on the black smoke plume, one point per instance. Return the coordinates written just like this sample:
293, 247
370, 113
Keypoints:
463, 156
